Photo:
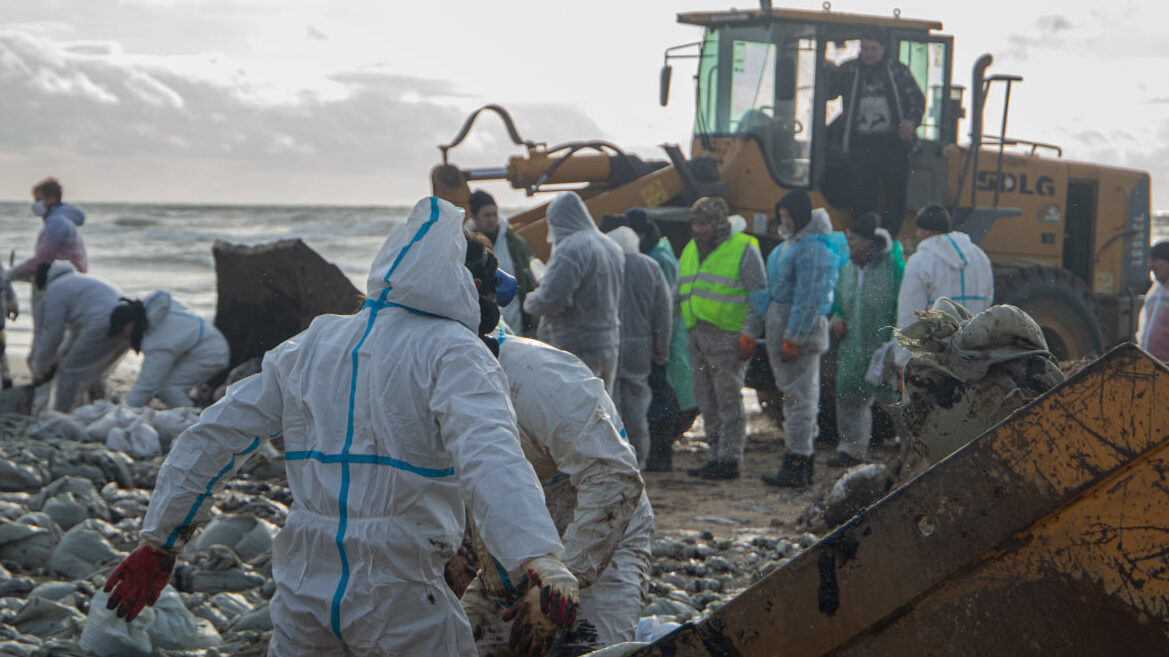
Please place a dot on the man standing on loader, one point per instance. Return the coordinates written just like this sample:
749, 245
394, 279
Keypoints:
882, 108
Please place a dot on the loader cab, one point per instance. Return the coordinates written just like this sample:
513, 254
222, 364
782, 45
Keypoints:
761, 78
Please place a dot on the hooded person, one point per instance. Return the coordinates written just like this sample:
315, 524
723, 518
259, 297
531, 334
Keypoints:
1153, 323
81, 305
718, 272
180, 350
579, 297
945, 264
571, 433
394, 421
58, 238
801, 274
513, 252
672, 406
864, 310
645, 337
9, 310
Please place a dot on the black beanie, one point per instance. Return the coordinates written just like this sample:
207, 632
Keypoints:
1160, 250
866, 225
798, 205
934, 217
611, 222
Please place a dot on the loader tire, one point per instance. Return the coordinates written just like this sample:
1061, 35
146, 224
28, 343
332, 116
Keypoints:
1057, 301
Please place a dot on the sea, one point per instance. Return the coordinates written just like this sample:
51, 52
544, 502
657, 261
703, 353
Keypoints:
139, 248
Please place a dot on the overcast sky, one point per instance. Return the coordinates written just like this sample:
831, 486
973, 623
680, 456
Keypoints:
345, 101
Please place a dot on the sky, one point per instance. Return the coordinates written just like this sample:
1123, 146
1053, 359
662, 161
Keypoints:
346, 101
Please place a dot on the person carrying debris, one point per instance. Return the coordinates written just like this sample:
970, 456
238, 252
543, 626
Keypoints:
672, 408
801, 274
80, 304
514, 253
180, 350
394, 420
946, 264
579, 297
570, 432
1153, 325
718, 271
645, 337
864, 310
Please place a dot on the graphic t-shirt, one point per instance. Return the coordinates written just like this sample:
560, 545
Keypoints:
874, 114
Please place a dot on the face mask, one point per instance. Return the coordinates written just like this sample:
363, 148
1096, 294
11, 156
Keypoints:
505, 288
38, 208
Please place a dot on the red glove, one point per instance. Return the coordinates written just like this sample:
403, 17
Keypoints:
139, 580
840, 329
746, 346
789, 351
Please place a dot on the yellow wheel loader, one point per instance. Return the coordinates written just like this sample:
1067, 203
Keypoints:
1069, 240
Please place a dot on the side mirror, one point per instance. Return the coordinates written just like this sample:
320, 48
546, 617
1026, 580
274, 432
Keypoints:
664, 85
785, 79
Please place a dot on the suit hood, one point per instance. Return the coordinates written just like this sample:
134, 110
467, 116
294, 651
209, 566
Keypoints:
953, 248
157, 307
567, 215
420, 265
70, 212
626, 239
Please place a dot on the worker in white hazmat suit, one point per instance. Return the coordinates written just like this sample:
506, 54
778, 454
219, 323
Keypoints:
945, 264
81, 305
646, 318
394, 421
180, 350
579, 297
570, 432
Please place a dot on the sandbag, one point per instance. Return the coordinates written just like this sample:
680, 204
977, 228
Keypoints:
29, 540
247, 535
967, 374
106, 635
82, 551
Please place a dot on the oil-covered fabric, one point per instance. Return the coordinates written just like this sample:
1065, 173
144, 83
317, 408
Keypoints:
718, 387
571, 434
80, 305
394, 421
799, 379
179, 351
579, 297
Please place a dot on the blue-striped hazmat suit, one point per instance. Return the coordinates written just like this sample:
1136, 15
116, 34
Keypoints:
393, 419
179, 351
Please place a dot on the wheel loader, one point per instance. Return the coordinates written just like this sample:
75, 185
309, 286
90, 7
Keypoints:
1068, 240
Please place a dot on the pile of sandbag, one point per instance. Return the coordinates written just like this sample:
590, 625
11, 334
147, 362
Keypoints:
141, 433
967, 374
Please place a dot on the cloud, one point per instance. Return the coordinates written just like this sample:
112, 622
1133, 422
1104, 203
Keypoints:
96, 102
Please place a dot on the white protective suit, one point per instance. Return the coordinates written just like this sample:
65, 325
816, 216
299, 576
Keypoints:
179, 351
946, 265
394, 421
579, 297
646, 318
571, 434
81, 305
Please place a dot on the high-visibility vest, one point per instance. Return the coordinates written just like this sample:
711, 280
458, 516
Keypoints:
712, 290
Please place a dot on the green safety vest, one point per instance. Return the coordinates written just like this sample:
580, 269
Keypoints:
712, 291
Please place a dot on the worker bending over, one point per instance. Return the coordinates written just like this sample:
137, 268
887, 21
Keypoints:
570, 432
80, 305
180, 350
393, 419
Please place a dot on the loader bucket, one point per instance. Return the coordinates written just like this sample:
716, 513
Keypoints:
1046, 535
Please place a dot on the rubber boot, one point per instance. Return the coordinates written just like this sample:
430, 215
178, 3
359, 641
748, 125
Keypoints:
661, 446
794, 472
716, 470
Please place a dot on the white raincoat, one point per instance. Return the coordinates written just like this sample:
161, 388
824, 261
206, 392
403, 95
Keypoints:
393, 419
179, 351
81, 305
570, 432
1153, 324
580, 293
646, 318
947, 265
